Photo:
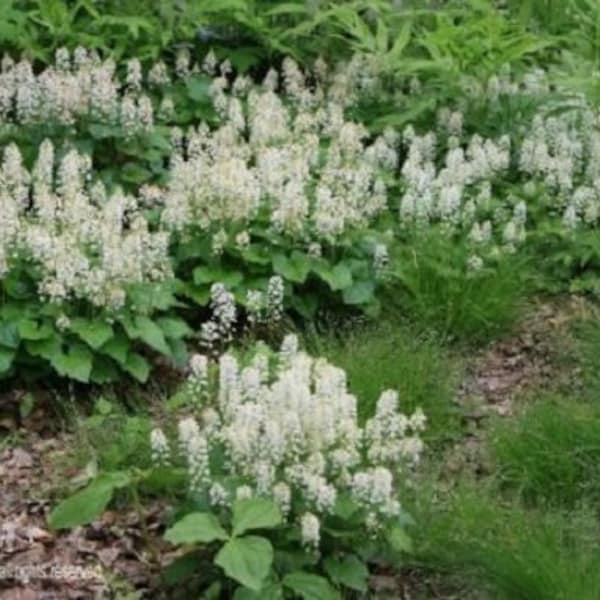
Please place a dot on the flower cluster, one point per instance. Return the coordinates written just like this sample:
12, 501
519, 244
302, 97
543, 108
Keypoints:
219, 329
291, 434
266, 307
83, 242
458, 194
291, 159
76, 87
82, 85
453, 193
460, 182
561, 155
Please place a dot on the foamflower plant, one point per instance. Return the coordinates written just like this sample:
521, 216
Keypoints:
282, 479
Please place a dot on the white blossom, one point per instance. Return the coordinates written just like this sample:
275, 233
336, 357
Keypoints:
310, 530
161, 452
295, 437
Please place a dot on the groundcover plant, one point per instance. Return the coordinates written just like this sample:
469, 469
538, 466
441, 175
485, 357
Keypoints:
306, 294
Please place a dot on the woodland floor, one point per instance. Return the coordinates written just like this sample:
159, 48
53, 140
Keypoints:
35, 466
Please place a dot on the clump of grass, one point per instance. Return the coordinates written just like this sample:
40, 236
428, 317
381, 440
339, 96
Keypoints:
517, 554
551, 453
389, 355
437, 289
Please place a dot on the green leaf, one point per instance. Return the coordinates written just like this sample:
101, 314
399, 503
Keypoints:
26, 405
293, 268
6, 359
199, 89
247, 559
137, 366
256, 254
103, 407
360, 292
196, 528
99, 131
87, 504
76, 364
117, 348
310, 587
207, 275
174, 328
350, 571
199, 294
345, 506
270, 592
104, 370
338, 278
48, 348
135, 173
151, 334
197, 248
32, 330
179, 352
182, 568
213, 591
255, 513
94, 333
399, 540
9, 335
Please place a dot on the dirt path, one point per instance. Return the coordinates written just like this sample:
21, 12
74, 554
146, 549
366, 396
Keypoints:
537, 357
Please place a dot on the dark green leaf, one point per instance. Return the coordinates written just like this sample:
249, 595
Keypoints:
117, 348
104, 370
182, 568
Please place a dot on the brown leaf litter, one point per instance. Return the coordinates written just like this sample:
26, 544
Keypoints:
37, 563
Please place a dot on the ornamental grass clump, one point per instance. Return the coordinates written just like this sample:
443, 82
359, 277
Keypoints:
281, 432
